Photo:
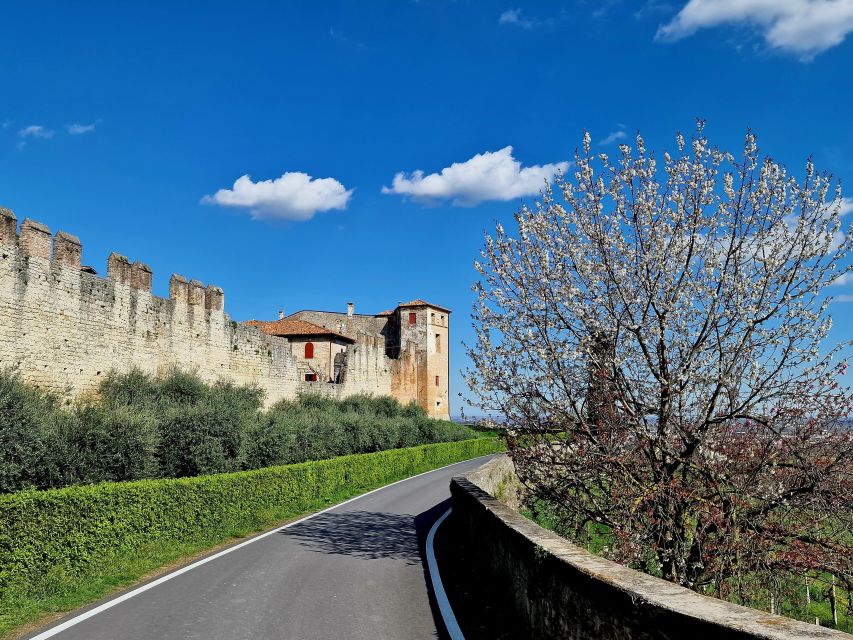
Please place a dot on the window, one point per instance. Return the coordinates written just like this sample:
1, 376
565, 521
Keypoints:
442, 321
309, 350
432, 318
436, 381
438, 343
310, 377
413, 317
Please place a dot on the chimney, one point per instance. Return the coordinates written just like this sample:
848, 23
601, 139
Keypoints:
281, 314
350, 309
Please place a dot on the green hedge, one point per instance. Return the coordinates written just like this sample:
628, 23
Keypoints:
53, 541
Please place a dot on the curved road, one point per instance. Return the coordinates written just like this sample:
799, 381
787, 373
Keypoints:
353, 572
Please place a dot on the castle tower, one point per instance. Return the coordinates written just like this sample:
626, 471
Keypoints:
424, 347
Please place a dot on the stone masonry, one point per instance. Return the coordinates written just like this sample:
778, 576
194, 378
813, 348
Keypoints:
63, 328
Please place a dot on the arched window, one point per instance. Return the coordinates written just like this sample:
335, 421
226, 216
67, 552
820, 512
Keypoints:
309, 350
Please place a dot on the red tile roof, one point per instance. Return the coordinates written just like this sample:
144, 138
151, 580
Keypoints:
287, 328
423, 303
387, 312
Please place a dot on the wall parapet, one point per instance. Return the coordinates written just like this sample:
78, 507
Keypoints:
64, 328
560, 590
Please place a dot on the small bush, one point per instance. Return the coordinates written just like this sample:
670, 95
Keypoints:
28, 423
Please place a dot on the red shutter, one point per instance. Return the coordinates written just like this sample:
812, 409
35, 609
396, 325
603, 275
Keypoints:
413, 317
309, 350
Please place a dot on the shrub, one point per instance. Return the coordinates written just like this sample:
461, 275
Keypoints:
142, 426
112, 444
28, 421
312, 427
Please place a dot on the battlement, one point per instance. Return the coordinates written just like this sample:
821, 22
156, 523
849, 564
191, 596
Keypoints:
65, 250
63, 327
195, 292
36, 241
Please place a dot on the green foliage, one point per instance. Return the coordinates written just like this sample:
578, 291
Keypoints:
312, 428
28, 421
55, 544
143, 426
97, 444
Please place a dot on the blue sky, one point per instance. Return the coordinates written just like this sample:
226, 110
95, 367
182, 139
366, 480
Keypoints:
116, 122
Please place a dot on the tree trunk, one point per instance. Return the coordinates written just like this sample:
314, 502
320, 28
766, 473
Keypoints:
833, 603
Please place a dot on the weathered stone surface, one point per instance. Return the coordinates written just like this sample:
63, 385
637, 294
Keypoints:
64, 329
8, 228
67, 250
35, 239
560, 590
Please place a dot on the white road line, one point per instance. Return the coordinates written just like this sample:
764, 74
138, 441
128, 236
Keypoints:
135, 592
440, 595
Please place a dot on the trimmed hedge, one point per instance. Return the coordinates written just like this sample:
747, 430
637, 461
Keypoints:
52, 541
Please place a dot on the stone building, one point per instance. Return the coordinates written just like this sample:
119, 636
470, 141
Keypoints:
63, 327
413, 337
319, 352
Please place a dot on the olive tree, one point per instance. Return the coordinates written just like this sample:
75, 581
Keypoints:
654, 335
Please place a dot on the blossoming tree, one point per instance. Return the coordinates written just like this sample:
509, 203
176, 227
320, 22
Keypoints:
654, 339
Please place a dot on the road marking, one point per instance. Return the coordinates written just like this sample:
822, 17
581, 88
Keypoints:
135, 592
447, 614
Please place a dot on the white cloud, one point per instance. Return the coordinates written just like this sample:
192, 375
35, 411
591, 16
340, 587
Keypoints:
35, 131
843, 298
293, 196
846, 206
845, 278
7, 124
803, 27
612, 137
493, 175
513, 16
79, 129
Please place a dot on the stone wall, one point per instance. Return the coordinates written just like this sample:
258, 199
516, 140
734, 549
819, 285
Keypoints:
559, 590
369, 330
64, 329
417, 354
368, 371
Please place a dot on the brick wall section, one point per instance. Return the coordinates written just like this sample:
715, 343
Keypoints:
559, 590
422, 359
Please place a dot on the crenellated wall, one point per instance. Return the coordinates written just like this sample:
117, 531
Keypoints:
63, 329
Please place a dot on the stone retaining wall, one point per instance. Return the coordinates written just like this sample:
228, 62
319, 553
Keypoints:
560, 590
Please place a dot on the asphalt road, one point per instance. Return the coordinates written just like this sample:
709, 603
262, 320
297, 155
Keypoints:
355, 572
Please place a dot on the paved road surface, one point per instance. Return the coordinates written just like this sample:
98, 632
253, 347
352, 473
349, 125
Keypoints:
354, 572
